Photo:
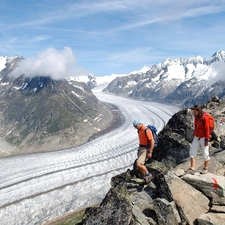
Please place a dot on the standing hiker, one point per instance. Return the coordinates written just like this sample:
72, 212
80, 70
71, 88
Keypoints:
146, 145
201, 139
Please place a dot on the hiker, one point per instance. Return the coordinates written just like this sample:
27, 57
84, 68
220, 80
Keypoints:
146, 145
201, 139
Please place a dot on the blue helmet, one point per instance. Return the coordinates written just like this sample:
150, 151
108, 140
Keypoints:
136, 122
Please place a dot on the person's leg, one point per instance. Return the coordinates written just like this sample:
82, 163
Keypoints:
141, 161
192, 163
205, 169
142, 153
205, 154
142, 169
206, 164
193, 151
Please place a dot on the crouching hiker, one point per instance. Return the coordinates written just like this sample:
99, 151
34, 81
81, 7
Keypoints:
146, 145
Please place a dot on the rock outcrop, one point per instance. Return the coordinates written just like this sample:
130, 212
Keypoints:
173, 197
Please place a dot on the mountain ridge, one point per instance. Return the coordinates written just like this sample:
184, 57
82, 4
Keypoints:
42, 114
173, 81
165, 82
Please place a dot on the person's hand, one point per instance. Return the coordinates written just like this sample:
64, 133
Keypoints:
206, 142
149, 155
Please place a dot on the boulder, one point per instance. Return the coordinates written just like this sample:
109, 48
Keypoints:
212, 219
191, 201
210, 184
167, 213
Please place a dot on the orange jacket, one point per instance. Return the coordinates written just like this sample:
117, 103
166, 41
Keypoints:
143, 141
202, 127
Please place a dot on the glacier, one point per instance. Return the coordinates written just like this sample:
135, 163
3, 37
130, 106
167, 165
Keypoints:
36, 188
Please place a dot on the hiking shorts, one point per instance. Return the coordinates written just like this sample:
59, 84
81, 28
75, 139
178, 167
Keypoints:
142, 155
196, 143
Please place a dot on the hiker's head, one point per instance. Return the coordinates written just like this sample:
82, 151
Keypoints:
197, 110
136, 123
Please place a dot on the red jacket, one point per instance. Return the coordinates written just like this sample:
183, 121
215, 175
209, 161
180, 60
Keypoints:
202, 127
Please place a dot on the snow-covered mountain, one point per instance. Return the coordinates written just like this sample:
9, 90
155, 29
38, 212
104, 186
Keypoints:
4, 60
42, 114
178, 81
181, 82
99, 83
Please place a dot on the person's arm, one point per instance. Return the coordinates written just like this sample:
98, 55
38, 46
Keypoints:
207, 130
151, 143
195, 122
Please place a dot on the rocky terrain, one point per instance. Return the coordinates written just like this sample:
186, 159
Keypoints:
41, 114
173, 197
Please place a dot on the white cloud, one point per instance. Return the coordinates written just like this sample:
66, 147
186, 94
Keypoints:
51, 63
219, 68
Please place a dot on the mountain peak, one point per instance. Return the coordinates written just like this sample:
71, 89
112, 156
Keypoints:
195, 60
178, 81
217, 56
42, 114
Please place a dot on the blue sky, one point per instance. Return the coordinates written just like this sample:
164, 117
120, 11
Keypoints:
105, 37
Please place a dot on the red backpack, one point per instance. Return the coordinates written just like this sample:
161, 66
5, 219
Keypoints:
211, 122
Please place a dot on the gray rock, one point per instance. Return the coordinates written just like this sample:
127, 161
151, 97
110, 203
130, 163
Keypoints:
115, 209
218, 201
166, 212
217, 209
212, 219
191, 201
138, 216
210, 184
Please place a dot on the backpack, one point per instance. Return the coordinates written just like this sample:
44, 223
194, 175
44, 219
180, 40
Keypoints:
154, 134
211, 122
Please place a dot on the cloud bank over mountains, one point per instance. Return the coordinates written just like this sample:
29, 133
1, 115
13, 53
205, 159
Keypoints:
50, 63
219, 69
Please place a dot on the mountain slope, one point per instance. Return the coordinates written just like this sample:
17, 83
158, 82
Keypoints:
182, 82
41, 114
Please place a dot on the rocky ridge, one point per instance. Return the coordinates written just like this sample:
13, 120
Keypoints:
173, 197
178, 81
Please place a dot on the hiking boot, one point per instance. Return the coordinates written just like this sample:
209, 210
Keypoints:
148, 178
204, 171
190, 171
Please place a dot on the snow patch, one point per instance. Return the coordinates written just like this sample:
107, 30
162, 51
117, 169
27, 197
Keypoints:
76, 94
